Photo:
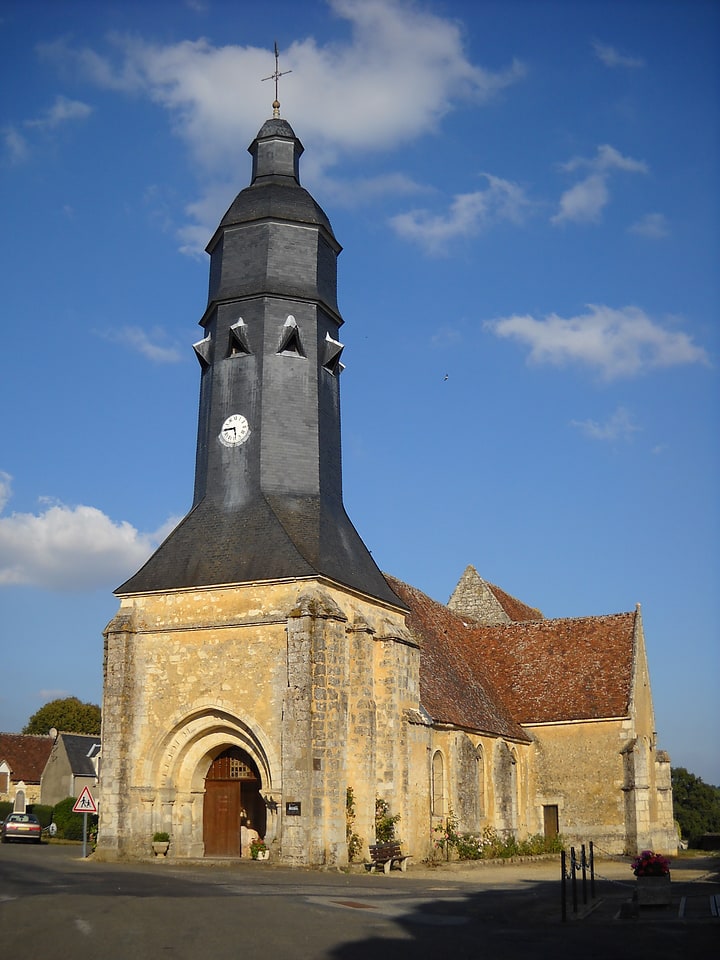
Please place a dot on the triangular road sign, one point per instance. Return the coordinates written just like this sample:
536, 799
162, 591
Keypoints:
85, 802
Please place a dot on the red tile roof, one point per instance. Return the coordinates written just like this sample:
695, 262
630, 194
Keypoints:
494, 678
514, 608
25, 755
546, 670
450, 690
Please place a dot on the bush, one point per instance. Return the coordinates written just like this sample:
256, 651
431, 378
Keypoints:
69, 824
6, 807
490, 845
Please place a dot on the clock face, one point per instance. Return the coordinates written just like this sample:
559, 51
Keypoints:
234, 431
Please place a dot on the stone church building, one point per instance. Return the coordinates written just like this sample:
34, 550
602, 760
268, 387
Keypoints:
260, 664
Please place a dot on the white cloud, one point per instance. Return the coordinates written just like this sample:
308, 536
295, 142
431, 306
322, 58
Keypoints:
60, 112
606, 159
613, 58
616, 343
149, 345
70, 548
653, 225
361, 190
469, 214
15, 145
52, 693
585, 201
620, 425
400, 72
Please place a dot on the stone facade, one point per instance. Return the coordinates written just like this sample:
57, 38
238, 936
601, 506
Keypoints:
271, 669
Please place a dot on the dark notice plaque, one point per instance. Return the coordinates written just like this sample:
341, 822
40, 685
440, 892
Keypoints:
292, 808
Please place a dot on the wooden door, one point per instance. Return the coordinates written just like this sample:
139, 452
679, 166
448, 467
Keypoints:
221, 818
551, 821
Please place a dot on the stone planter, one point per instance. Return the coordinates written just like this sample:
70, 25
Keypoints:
653, 891
160, 848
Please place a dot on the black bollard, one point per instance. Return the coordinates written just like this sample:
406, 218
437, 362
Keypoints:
583, 863
563, 885
573, 878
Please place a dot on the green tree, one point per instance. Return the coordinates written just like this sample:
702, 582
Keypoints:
68, 715
696, 805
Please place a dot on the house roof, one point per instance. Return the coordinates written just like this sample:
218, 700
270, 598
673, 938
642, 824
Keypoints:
25, 755
514, 608
451, 689
498, 678
80, 748
552, 670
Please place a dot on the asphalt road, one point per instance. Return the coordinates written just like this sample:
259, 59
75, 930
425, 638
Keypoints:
56, 906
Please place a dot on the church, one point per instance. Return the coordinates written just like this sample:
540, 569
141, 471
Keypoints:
261, 666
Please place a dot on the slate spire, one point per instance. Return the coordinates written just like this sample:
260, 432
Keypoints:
268, 482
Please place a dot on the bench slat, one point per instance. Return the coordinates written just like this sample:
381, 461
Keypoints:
385, 854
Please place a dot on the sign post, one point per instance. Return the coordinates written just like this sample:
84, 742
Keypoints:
85, 805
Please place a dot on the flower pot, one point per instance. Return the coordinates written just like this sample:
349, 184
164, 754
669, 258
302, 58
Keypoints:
160, 848
653, 891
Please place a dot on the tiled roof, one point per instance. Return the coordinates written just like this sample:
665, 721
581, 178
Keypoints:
495, 678
25, 755
548, 670
514, 608
450, 690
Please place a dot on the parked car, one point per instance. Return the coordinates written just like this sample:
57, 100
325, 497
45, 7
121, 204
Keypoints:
21, 826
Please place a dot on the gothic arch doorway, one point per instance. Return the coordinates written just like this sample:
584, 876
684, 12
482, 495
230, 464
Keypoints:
232, 799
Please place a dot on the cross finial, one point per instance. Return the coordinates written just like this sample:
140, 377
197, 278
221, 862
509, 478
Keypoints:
276, 76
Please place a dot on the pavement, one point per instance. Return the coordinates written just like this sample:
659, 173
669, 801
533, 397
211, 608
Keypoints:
56, 904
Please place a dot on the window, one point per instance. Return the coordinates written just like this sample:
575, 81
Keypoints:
438, 785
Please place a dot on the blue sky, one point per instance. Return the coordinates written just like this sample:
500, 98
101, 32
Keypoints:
527, 195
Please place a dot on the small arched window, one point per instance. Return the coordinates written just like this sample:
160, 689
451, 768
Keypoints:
438, 785
480, 779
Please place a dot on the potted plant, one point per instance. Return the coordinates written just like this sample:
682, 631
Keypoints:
259, 850
160, 843
653, 878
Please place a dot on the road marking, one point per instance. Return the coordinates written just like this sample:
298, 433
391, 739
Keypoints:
83, 926
408, 910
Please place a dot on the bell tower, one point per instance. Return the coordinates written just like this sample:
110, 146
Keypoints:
268, 479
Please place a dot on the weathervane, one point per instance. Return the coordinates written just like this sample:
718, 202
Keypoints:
276, 76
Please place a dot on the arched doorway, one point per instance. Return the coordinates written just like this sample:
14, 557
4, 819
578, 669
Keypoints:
232, 798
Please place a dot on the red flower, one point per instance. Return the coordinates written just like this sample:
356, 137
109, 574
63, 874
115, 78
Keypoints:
650, 864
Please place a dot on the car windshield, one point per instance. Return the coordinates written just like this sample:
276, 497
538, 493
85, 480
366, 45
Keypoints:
20, 818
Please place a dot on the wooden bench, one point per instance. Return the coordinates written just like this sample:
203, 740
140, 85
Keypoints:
385, 855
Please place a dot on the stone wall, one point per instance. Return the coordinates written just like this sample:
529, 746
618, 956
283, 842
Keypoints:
473, 598
295, 674
579, 769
